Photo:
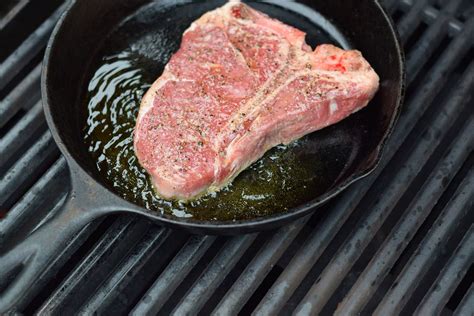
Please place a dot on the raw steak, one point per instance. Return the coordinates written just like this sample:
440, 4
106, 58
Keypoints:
240, 84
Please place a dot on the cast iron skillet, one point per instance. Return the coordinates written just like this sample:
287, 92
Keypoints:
82, 28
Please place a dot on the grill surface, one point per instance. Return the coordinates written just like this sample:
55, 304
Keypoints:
399, 241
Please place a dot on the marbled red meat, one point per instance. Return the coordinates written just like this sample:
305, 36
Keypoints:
240, 84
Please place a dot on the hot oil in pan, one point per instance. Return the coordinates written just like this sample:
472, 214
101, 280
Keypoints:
131, 59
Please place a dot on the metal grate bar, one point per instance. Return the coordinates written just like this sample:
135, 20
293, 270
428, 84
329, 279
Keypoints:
430, 248
212, 277
432, 38
308, 255
28, 49
449, 278
370, 279
58, 262
23, 96
12, 13
447, 62
349, 252
36, 202
111, 245
20, 135
126, 270
390, 5
430, 15
411, 20
405, 3
25, 172
466, 307
302, 262
258, 268
177, 270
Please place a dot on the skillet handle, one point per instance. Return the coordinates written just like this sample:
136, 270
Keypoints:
27, 261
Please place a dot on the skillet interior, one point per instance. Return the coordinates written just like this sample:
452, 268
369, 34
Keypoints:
352, 146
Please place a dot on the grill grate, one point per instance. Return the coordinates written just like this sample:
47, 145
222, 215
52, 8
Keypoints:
399, 241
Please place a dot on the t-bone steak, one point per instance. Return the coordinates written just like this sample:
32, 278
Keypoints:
240, 84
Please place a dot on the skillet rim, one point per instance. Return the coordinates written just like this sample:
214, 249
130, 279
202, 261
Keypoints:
231, 226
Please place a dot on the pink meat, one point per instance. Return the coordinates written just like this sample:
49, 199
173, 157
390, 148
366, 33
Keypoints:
240, 84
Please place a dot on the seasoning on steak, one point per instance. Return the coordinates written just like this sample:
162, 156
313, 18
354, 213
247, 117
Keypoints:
240, 84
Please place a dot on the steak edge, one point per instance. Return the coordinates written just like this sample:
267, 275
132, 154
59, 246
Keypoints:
240, 84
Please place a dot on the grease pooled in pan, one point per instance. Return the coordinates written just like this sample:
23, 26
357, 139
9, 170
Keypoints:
130, 60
